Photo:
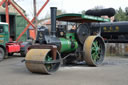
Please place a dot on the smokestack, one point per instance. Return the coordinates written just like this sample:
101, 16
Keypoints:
53, 21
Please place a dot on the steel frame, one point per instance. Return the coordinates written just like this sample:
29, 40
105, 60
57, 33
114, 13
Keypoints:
7, 15
30, 22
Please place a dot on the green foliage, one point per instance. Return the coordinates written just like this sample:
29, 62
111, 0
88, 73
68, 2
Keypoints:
121, 15
59, 12
83, 12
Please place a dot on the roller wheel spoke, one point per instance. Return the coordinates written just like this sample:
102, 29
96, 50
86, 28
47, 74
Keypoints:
48, 59
95, 50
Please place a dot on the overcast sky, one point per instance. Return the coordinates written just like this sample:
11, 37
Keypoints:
70, 6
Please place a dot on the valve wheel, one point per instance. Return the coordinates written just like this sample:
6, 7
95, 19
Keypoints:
41, 61
94, 50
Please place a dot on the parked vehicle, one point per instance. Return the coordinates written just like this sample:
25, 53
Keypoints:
8, 47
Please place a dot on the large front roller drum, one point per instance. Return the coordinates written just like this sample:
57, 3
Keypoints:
94, 50
41, 61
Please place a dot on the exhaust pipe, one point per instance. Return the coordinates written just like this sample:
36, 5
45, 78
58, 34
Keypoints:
53, 21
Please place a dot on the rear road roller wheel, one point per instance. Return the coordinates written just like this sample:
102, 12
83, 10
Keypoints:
94, 50
41, 61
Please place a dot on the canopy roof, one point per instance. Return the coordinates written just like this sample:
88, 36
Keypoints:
80, 18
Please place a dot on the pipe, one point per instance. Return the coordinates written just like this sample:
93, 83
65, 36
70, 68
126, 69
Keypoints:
53, 21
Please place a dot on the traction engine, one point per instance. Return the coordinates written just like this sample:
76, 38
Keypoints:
64, 46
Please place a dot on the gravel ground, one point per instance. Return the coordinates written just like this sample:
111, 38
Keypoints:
114, 71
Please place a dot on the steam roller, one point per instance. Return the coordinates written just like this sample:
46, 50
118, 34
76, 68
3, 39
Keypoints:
62, 45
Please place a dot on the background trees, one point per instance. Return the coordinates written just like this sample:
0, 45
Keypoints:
121, 15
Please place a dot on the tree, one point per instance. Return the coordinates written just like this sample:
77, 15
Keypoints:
121, 15
83, 12
59, 12
126, 10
